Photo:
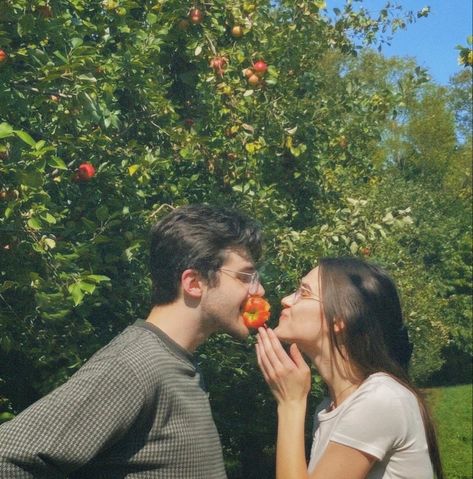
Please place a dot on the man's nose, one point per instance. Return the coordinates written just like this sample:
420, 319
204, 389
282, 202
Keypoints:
260, 290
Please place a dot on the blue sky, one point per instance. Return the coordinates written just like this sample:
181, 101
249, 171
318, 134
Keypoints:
431, 40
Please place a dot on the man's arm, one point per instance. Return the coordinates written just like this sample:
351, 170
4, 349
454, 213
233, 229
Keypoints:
67, 428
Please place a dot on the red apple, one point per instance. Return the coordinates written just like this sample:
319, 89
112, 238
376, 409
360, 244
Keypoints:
188, 122
260, 68
85, 172
195, 16
3, 56
256, 312
218, 64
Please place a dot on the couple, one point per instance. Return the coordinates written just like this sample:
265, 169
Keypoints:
137, 408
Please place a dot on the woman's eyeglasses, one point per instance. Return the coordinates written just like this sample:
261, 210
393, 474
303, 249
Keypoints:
304, 293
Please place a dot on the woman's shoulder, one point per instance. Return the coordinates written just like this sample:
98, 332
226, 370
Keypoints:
379, 386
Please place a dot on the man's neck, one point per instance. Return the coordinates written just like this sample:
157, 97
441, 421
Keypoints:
181, 323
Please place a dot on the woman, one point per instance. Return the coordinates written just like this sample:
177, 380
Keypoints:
346, 317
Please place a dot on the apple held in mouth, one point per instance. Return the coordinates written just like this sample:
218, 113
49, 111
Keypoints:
256, 312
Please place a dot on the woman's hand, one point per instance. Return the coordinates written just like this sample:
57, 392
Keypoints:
288, 376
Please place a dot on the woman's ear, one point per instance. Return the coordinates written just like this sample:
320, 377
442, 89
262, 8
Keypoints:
338, 326
192, 283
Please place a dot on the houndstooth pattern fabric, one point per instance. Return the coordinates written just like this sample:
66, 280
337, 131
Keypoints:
136, 409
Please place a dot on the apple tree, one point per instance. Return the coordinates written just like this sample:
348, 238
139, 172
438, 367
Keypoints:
113, 112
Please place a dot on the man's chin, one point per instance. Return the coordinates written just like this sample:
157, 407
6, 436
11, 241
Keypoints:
240, 333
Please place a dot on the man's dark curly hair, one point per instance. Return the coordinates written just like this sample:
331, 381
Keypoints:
197, 236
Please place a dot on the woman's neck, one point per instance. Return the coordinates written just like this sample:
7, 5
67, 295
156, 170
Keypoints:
341, 377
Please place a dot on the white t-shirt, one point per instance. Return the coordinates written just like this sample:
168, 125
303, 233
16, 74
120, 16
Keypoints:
383, 419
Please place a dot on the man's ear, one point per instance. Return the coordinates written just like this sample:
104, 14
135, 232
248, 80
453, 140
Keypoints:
192, 283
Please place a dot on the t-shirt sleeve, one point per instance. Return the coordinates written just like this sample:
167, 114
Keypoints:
373, 422
67, 428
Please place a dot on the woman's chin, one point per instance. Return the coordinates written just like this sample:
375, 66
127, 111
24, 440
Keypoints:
282, 336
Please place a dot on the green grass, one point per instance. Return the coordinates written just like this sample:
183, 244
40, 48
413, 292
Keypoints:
452, 410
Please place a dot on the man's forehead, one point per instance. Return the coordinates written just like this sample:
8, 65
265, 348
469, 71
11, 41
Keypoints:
238, 256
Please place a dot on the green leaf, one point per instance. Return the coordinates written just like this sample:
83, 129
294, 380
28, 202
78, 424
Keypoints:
34, 224
76, 293
151, 18
5, 130
56, 162
102, 213
132, 169
6, 416
31, 178
39, 145
48, 217
77, 42
186, 153
353, 248
97, 278
59, 55
87, 78
388, 219
50, 243
25, 137
87, 287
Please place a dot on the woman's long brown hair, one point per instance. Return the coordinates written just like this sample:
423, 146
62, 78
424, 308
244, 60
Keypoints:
375, 339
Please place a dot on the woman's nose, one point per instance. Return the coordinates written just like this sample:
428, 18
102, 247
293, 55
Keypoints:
288, 300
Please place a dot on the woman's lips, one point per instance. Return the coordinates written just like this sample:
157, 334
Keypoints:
283, 315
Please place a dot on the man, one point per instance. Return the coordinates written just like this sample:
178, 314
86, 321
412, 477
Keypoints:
137, 408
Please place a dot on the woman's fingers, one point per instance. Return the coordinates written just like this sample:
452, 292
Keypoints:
262, 360
266, 358
274, 350
288, 376
268, 353
297, 357
278, 349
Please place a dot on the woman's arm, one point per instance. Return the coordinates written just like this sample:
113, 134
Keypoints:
288, 377
339, 461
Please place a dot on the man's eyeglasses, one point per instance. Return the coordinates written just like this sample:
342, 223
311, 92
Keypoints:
304, 293
252, 279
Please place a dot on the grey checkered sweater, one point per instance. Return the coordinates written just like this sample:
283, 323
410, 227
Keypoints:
136, 409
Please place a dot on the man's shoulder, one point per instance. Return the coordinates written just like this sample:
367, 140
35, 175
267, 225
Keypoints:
133, 346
